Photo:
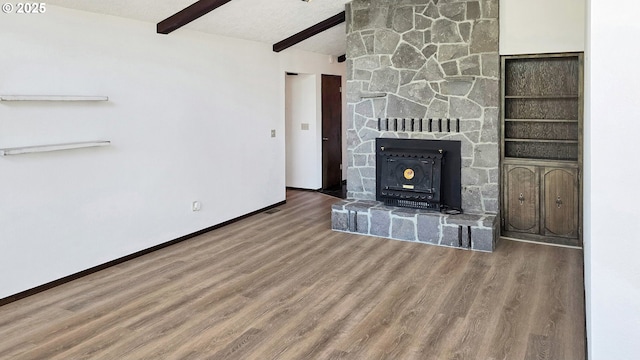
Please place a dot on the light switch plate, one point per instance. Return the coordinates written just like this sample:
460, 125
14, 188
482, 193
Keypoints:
273, 133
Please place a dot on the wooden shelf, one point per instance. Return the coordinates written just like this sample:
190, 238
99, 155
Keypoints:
544, 141
52, 147
511, 160
543, 120
536, 97
52, 98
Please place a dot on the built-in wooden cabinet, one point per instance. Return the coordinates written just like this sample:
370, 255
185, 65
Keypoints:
542, 107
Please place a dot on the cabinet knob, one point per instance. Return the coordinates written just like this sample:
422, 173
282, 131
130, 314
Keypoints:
521, 198
559, 202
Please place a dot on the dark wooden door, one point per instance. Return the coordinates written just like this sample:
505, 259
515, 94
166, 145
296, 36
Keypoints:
522, 199
561, 202
331, 131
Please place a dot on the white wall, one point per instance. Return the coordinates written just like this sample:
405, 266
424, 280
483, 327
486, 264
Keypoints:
612, 242
542, 26
189, 115
303, 169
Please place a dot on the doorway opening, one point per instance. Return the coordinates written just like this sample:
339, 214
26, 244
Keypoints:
313, 133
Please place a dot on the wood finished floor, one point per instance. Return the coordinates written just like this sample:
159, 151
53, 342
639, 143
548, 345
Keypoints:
284, 286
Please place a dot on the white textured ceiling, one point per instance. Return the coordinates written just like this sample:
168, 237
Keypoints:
266, 21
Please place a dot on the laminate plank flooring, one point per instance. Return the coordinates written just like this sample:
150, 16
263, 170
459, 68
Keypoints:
282, 285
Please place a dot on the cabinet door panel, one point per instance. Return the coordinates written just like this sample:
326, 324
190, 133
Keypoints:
561, 202
522, 198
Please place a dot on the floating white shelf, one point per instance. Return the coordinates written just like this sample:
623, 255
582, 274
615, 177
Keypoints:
52, 98
52, 147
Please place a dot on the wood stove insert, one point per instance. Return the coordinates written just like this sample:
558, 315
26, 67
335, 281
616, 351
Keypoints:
422, 174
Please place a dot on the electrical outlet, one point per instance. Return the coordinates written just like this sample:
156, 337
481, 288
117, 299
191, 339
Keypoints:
196, 206
273, 132
304, 126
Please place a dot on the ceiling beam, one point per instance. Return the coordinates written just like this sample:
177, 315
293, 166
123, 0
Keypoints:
188, 14
309, 32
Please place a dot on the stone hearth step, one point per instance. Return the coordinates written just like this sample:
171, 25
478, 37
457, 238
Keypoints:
465, 231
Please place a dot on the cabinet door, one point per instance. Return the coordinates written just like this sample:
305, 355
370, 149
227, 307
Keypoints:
522, 198
561, 202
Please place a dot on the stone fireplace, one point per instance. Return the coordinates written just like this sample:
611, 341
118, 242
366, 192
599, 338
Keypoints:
423, 69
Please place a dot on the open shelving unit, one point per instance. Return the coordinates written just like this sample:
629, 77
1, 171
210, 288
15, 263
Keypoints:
58, 146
